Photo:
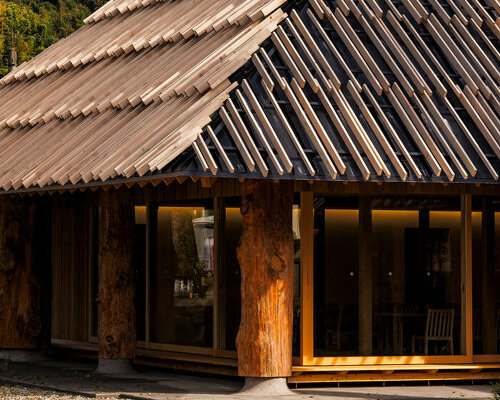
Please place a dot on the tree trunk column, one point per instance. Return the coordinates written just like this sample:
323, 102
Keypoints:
20, 323
265, 254
116, 296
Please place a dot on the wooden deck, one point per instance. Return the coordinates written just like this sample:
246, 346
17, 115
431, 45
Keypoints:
301, 373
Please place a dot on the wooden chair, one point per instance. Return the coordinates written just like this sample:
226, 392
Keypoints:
438, 327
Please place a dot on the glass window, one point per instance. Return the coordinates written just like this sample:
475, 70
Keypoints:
230, 279
336, 300
296, 280
416, 277
181, 279
486, 275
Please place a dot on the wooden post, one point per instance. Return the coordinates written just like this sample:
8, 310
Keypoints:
116, 296
466, 337
20, 323
265, 254
365, 277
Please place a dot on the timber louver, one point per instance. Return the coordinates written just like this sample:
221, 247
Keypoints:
345, 89
361, 90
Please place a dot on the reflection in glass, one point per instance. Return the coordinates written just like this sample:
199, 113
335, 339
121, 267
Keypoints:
230, 280
336, 300
182, 280
296, 280
486, 275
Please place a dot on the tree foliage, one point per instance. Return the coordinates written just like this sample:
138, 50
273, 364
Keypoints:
30, 26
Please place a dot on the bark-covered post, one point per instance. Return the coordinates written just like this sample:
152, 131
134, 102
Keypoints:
265, 255
116, 296
20, 323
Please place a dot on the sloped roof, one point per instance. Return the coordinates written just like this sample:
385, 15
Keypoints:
340, 90
127, 92
366, 90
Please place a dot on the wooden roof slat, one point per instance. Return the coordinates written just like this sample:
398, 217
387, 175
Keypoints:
441, 138
304, 120
486, 40
365, 172
201, 159
471, 71
372, 66
387, 56
424, 133
377, 131
272, 67
478, 51
313, 83
483, 122
220, 149
403, 113
247, 138
416, 53
311, 58
473, 141
392, 131
262, 71
336, 53
470, 10
314, 47
260, 134
261, 115
476, 64
237, 139
445, 128
207, 155
359, 132
288, 59
290, 131
318, 126
456, 89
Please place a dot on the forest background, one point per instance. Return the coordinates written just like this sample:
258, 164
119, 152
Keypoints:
30, 26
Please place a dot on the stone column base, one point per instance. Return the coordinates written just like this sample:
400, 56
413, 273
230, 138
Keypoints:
112, 366
23, 355
265, 387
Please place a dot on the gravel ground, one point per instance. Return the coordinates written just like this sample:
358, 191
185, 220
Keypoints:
10, 392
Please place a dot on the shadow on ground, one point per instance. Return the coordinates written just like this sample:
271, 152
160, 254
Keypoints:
79, 378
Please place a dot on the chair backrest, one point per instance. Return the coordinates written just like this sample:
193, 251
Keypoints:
439, 323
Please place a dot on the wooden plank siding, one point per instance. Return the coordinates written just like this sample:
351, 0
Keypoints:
70, 268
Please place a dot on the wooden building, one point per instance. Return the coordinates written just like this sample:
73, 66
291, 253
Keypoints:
271, 188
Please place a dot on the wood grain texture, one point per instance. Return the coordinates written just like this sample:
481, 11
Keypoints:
20, 322
265, 254
117, 336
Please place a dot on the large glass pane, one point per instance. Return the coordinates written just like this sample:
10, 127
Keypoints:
416, 277
486, 275
182, 290
395, 318
336, 300
230, 294
296, 280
